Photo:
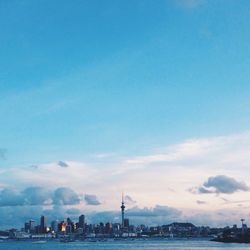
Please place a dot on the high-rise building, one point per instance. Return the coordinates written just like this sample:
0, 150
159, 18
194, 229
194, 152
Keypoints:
69, 229
71, 224
108, 228
43, 224
27, 227
122, 210
62, 226
81, 223
32, 226
126, 223
54, 226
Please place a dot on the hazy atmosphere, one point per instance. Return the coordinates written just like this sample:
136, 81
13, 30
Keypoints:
150, 98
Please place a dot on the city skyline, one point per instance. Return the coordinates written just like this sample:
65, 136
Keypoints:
149, 98
67, 226
68, 230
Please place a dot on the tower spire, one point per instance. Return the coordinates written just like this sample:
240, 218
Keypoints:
122, 209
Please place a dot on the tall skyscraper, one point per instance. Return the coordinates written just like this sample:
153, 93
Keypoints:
122, 210
43, 224
27, 227
31, 226
81, 223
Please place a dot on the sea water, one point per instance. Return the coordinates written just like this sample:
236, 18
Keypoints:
123, 245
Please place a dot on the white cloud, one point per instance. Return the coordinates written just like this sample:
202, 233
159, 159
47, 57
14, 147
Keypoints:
222, 150
181, 151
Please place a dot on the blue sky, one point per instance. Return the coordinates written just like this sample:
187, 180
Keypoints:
99, 83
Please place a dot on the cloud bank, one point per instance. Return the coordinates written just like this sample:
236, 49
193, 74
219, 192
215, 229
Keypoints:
38, 196
222, 184
157, 215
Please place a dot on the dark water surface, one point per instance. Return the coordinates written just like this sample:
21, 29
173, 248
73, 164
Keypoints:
124, 245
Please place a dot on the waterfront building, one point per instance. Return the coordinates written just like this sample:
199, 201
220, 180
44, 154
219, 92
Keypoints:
81, 222
62, 226
31, 226
108, 228
54, 226
43, 224
27, 227
69, 229
126, 223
